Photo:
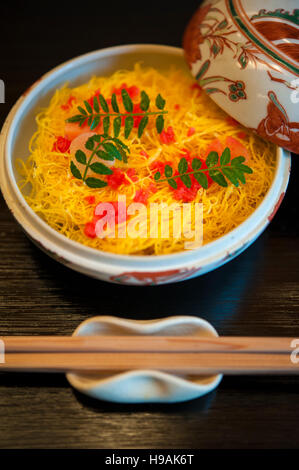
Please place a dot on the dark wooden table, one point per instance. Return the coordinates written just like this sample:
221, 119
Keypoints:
255, 294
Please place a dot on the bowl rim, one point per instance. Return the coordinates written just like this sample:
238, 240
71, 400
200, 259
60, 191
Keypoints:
204, 254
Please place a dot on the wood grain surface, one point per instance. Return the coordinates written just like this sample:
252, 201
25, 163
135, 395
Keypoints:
256, 294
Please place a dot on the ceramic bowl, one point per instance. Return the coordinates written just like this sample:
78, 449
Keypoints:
244, 53
137, 270
143, 386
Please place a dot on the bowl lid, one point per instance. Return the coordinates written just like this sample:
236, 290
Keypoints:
246, 59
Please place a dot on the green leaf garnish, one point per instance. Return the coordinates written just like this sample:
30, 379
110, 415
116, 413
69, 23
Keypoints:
95, 104
160, 102
231, 175
225, 157
82, 110
106, 124
142, 125
186, 180
100, 169
103, 103
100, 110
220, 170
95, 122
104, 147
145, 101
129, 123
95, 183
111, 149
128, 103
114, 103
183, 166
117, 126
172, 183
75, 172
88, 107
160, 123
104, 155
202, 179
212, 159
238, 160
77, 117
168, 171
80, 157
89, 144
196, 163
218, 177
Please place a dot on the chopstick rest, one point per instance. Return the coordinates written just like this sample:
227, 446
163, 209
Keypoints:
144, 386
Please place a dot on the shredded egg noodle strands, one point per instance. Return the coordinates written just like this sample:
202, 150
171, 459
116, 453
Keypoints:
60, 199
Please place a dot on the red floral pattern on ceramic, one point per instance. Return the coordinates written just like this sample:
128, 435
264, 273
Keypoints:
154, 278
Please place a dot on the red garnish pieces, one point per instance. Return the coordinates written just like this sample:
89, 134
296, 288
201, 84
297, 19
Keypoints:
177, 107
117, 91
167, 136
191, 131
141, 195
116, 179
131, 173
230, 120
152, 188
90, 199
242, 135
89, 230
133, 91
68, 104
159, 166
62, 145
195, 86
182, 193
137, 119
144, 154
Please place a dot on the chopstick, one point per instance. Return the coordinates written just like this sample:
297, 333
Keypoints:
176, 354
182, 363
84, 344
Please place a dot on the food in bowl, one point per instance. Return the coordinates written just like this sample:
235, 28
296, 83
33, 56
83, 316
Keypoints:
152, 137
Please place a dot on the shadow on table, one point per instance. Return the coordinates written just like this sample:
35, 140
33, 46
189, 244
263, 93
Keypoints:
218, 296
201, 405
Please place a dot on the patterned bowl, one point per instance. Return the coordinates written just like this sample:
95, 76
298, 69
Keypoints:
137, 270
246, 58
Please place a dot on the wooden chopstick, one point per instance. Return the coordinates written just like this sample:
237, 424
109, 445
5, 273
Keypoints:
177, 354
237, 344
182, 363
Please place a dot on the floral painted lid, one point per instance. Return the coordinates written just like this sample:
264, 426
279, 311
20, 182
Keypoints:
247, 58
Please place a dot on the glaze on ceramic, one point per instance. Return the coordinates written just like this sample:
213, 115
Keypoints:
245, 54
144, 386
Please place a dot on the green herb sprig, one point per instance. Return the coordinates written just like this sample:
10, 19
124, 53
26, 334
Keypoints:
100, 111
221, 170
105, 148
